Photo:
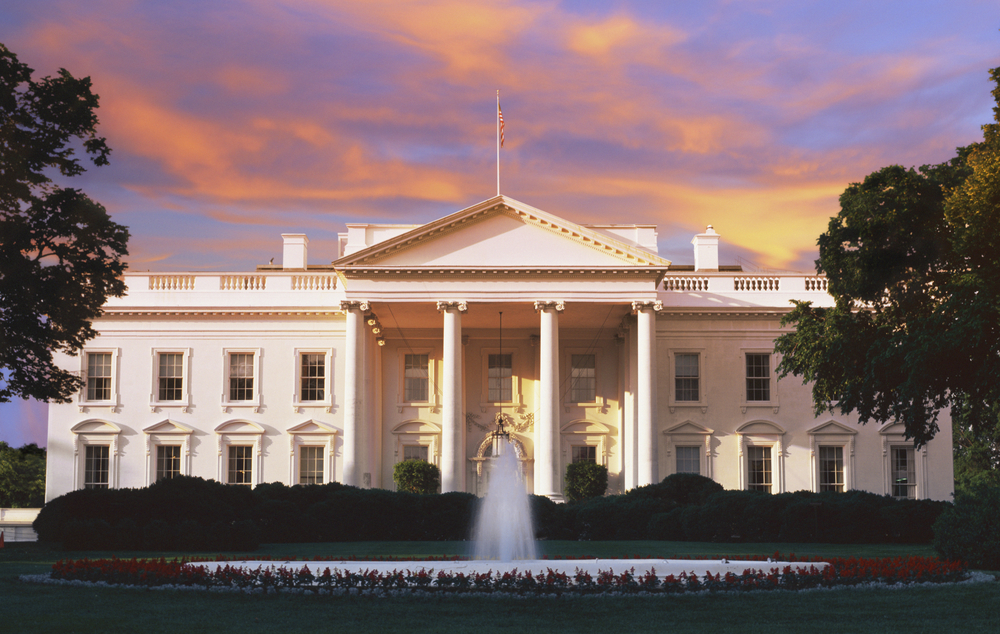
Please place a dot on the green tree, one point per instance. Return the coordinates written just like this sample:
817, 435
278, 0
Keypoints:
60, 253
912, 260
585, 480
416, 476
22, 476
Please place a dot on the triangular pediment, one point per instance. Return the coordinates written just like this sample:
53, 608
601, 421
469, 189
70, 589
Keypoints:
501, 232
168, 427
832, 427
688, 427
311, 427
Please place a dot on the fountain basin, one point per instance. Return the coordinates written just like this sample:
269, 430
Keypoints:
663, 567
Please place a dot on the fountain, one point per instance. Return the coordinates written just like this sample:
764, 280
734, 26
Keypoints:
503, 529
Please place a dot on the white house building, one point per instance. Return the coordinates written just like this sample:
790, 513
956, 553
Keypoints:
590, 344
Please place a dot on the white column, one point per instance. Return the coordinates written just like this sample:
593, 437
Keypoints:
547, 464
646, 427
452, 445
353, 387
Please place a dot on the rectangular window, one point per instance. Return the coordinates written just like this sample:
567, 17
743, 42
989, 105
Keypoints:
416, 375
313, 377
310, 465
686, 386
96, 467
904, 481
168, 462
687, 460
583, 378
241, 376
831, 469
584, 454
240, 464
415, 452
171, 376
500, 378
758, 376
759, 469
98, 376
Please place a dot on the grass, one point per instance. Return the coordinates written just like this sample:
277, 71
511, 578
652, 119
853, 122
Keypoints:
37, 608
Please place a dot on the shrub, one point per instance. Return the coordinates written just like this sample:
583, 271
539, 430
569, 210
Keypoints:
969, 530
680, 488
585, 480
416, 476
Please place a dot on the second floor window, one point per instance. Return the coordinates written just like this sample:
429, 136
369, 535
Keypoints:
241, 376
500, 378
98, 376
313, 377
171, 376
758, 376
416, 378
686, 386
583, 378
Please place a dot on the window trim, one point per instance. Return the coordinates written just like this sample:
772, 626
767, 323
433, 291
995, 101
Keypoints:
432, 394
238, 432
689, 434
167, 432
762, 433
702, 401
184, 403
95, 432
515, 378
297, 402
832, 434
115, 401
567, 368
311, 433
253, 402
417, 432
774, 401
893, 436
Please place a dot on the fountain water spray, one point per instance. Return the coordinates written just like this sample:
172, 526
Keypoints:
503, 529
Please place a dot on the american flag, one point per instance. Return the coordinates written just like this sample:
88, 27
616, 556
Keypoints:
500, 114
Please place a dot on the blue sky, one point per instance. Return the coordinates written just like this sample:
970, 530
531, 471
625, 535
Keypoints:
234, 121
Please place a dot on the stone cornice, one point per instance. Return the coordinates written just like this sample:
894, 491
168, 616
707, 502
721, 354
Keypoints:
439, 272
141, 313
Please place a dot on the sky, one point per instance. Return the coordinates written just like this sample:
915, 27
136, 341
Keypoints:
234, 121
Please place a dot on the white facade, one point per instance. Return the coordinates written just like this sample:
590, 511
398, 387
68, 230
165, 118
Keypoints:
303, 373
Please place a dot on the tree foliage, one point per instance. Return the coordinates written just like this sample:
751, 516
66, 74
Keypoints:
61, 253
22, 476
912, 261
416, 476
585, 480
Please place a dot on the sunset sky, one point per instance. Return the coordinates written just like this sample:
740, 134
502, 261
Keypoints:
234, 121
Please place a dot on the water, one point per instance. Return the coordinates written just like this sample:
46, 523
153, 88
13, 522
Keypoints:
503, 529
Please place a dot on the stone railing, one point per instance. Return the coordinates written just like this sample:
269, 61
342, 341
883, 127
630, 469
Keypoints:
744, 284
242, 282
171, 282
179, 289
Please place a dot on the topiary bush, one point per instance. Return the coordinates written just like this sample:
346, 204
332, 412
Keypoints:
585, 480
969, 530
416, 476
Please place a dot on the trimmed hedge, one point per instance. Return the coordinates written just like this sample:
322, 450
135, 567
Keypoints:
585, 480
192, 514
970, 530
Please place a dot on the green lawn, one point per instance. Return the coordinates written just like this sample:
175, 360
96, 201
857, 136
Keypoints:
37, 608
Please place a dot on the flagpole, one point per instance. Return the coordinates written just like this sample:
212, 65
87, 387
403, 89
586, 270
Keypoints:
498, 142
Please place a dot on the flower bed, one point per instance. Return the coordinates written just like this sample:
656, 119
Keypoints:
841, 572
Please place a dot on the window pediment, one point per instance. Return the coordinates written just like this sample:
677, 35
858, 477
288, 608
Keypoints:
96, 427
585, 427
311, 427
168, 426
239, 427
417, 427
832, 427
760, 427
689, 427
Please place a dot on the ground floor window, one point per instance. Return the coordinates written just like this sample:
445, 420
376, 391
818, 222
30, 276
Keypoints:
831, 469
415, 452
584, 454
311, 465
97, 467
688, 460
240, 465
168, 461
759, 469
903, 477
